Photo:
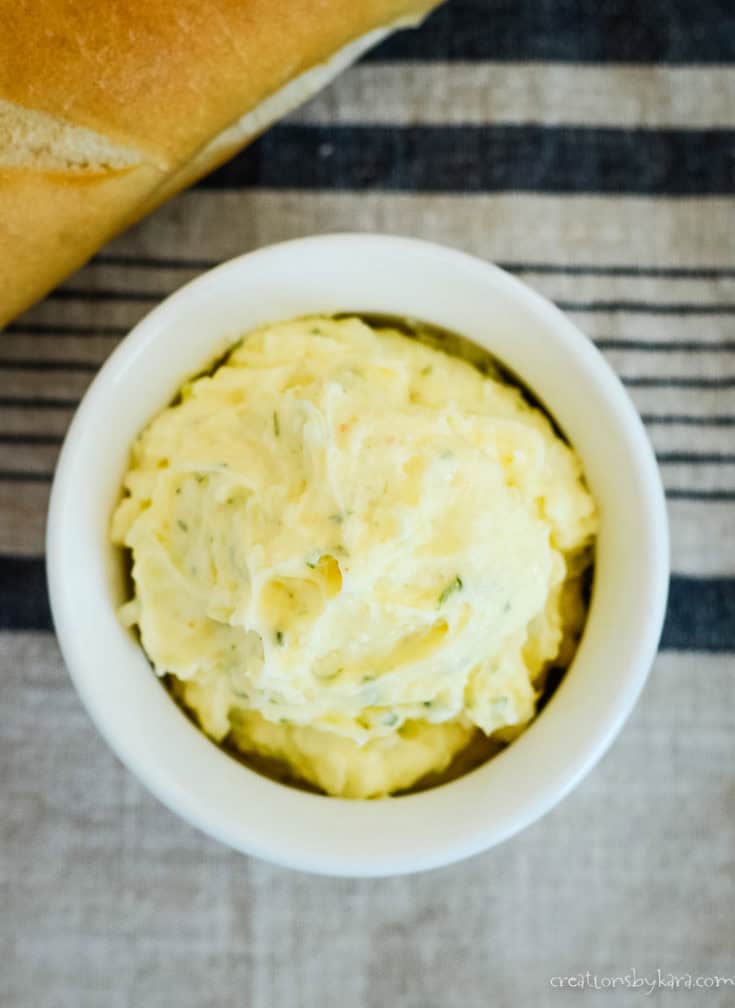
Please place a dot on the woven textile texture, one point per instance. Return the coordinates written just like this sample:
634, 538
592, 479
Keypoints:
590, 149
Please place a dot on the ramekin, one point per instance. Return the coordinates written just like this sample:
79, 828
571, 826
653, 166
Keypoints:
150, 734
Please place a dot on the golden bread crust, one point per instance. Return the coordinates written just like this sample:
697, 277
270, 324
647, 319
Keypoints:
155, 81
53, 223
164, 77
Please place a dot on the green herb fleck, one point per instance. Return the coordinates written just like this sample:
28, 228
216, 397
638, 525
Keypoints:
368, 678
336, 518
200, 477
182, 525
178, 491
279, 638
390, 719
276, 425
427, 370
428, 703
453, 586
316, 331
236, 688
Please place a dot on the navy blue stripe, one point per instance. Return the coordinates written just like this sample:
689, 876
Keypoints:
686, 420
46, 329
665, 346
673, 493
106, 294
30, 439
478, 159
11, 364
26, 476
574, 269
575, 31
23, 594
700, 617
35, 402
154, 262
660, 272
689, 458
649, 307
646, 381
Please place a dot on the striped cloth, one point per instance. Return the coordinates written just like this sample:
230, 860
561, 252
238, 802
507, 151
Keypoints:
589, 148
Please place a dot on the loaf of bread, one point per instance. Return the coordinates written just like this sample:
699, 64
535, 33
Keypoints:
108, 109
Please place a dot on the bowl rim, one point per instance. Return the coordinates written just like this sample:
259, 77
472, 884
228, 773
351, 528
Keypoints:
596, 742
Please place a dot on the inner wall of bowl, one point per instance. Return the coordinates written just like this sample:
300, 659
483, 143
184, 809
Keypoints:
154, 737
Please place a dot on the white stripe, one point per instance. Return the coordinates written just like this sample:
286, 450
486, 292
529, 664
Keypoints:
23, 518
29, 459
700, 440
31, 346
673, 364
47, 384
652, 289
660, 231
87, 313
518, 93
707, 478
557, 286
33, 421
702, 537
655, 328
694, 401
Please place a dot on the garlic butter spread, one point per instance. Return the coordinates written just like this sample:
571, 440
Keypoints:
352, 551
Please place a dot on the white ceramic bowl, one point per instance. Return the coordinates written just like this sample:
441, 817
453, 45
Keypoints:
395, 276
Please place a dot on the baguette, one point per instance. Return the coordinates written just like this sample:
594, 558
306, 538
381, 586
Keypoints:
108, 110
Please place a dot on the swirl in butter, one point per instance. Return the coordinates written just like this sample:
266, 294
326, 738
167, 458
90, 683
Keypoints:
352, 551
